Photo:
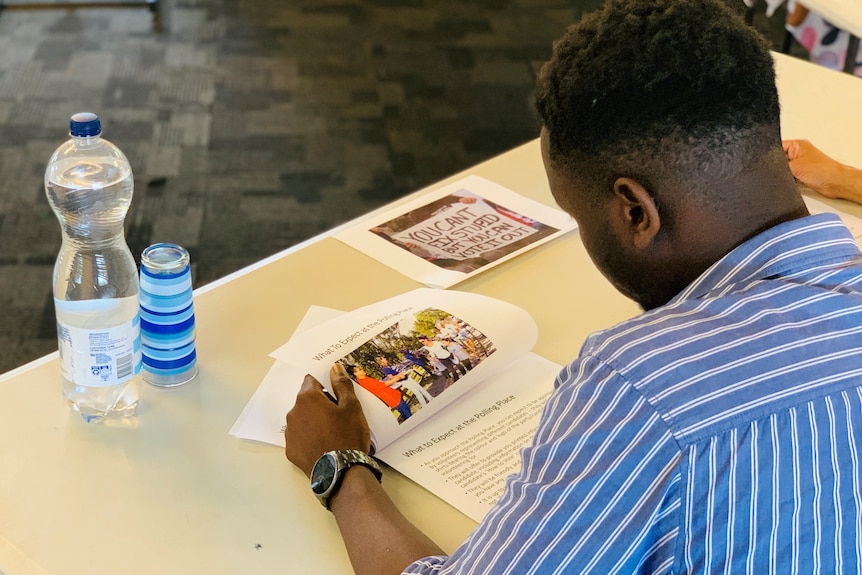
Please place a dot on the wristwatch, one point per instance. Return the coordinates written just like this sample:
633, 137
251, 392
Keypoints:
328, 471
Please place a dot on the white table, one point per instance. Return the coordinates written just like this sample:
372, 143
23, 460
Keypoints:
176, 494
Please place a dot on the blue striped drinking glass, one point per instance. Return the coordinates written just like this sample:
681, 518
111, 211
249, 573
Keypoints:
167, 316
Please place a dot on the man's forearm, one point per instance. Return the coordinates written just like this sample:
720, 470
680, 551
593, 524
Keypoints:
849, 185
378, 537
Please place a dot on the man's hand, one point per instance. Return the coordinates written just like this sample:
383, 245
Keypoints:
378, 538
316, 424
821, 173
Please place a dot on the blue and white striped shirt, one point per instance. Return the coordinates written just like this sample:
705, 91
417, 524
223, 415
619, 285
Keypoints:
720, 433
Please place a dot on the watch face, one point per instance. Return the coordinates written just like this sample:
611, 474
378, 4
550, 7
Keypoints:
322, 474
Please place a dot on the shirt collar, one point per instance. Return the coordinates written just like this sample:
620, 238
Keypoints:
781, 250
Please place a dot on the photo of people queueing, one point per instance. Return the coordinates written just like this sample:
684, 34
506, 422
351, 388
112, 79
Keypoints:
412, 362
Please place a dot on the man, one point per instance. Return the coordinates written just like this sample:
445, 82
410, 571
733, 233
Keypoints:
721, 430
438, 351
460, 354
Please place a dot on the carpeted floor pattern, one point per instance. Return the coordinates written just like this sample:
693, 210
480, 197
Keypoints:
252, 125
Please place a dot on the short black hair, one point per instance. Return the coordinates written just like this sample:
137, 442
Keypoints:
350, 369
659, 84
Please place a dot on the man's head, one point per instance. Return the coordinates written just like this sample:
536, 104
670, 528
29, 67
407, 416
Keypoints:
354, 371
660, 130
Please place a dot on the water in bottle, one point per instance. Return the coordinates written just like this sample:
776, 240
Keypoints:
89, 185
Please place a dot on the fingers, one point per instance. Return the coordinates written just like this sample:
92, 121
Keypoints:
311, 388
317, 423
797, 148
310, 384
342, 385
791, 148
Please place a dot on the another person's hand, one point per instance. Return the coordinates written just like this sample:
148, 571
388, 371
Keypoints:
316, 424
821, 173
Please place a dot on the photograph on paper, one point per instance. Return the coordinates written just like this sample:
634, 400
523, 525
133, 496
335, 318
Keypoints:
409, 364
462, 232
449, 340
446, 235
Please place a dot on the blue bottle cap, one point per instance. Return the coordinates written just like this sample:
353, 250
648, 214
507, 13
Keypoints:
84, 124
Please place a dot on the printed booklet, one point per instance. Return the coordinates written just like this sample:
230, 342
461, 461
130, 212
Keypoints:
457, 231
447, 381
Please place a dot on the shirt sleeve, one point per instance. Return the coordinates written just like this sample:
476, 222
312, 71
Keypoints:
598, 490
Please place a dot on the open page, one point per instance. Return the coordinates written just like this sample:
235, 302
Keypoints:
413, 354
463, 453
457, 231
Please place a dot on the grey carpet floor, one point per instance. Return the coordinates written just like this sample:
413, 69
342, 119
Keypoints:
252, 125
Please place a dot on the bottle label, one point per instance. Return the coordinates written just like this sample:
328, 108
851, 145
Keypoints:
100, 357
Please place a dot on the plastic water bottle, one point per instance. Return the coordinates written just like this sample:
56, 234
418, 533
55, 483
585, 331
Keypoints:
89, 184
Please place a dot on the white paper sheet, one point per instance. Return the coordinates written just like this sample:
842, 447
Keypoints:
457, 231
276, 394
506, 330
853, 223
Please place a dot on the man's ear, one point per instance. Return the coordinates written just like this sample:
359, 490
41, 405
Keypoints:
637, 211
